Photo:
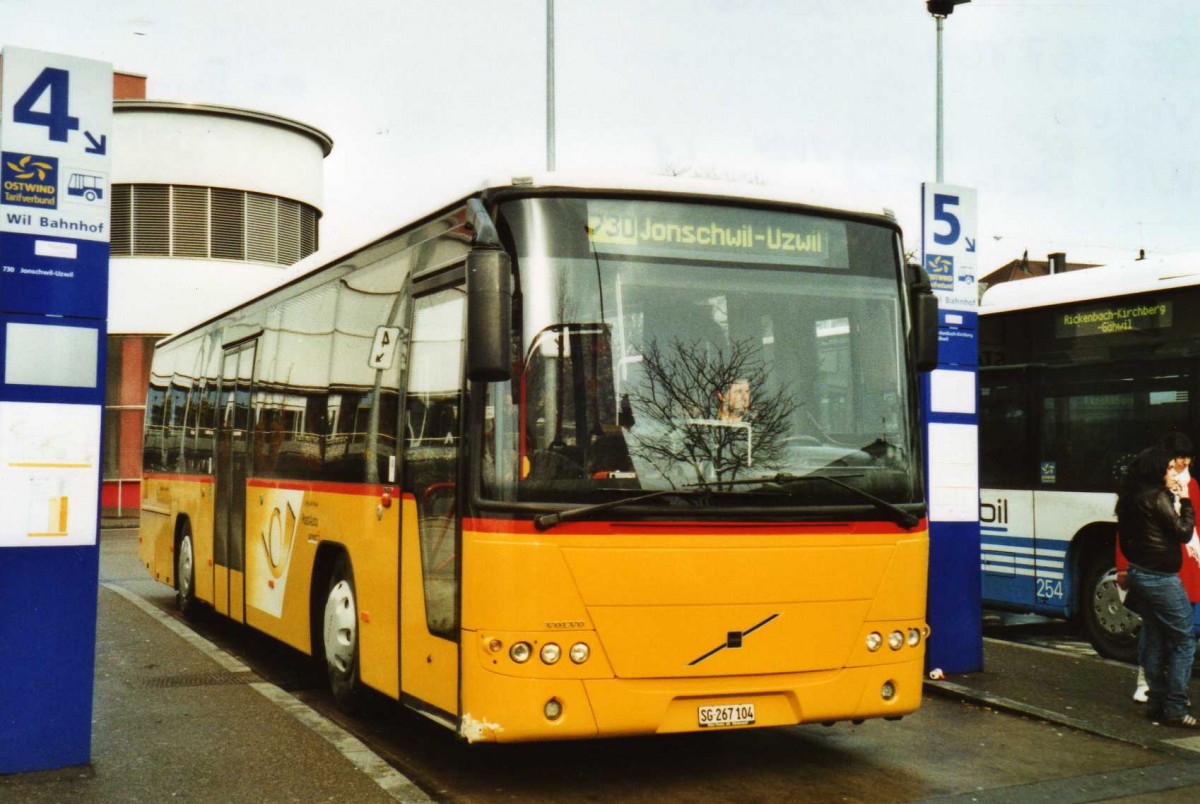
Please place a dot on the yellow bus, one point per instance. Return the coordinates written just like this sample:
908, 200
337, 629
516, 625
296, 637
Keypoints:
568, 458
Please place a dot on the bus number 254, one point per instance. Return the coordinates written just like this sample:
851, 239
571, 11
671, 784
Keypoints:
1047, 588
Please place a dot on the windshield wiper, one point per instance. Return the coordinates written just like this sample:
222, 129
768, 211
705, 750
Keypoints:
903, 518
547, 521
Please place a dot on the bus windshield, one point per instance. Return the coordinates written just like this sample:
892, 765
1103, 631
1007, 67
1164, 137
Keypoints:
670, 345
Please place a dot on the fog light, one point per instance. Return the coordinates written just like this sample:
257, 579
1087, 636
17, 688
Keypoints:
889, 690
874, 641
520, 652
552, 709
495, 645
580, 652
914, 637
550, 653
896, 640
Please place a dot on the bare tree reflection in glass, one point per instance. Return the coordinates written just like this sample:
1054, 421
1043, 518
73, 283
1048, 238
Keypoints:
705, 415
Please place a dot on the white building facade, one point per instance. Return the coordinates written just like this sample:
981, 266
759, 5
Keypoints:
210, 205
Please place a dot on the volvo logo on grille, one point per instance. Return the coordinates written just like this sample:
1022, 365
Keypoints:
733, 639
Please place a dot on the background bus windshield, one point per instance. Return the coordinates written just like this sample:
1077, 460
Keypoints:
662, 345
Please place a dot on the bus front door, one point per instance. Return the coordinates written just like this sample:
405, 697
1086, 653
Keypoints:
429, 622
229, 515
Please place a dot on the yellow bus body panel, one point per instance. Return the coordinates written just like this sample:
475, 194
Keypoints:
165, 499
777, 618
286, 523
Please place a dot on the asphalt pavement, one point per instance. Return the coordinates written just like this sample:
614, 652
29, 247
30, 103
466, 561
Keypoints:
176, 718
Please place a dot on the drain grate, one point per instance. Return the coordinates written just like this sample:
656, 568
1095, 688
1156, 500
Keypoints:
200, 680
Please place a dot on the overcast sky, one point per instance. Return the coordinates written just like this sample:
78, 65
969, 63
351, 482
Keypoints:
1077, 121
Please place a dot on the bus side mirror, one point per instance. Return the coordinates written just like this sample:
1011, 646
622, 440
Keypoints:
926, 314
489, 314
925, 319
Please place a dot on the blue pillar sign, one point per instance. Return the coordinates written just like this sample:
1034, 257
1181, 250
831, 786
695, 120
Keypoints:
950, 396
55, 171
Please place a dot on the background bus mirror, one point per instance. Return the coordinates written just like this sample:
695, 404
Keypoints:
489, 315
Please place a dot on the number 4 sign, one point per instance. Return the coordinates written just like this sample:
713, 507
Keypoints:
948, 227
55, 121
57, 115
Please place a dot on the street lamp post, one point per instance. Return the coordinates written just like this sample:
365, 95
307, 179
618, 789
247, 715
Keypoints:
940, 9
550, 85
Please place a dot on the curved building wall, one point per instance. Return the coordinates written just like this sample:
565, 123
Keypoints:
210, 204
160, 142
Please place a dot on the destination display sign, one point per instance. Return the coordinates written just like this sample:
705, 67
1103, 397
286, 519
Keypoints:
716, 233
1112, 318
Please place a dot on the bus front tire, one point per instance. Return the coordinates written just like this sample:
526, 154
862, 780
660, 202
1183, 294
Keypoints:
339, 637
1111, 628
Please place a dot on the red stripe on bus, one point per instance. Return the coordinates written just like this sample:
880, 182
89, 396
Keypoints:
178, 478
329, 487
605, 528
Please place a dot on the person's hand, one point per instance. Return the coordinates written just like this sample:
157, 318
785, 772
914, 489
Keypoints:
1194, 552
1180, 490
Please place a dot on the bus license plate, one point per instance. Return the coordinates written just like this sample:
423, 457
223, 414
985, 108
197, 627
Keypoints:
727, 715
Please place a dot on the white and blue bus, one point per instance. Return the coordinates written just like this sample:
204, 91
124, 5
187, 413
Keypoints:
1078, 372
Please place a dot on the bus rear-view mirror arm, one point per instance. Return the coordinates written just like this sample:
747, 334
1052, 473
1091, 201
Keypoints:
489, 301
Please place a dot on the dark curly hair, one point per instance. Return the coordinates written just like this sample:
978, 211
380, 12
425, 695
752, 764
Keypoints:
1145, 471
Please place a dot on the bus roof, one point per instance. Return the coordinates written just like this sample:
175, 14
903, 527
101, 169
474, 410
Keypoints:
1102, 282
817, 199
820, 198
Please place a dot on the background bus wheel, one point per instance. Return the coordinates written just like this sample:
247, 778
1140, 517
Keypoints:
339, 637
185, 574
1111, 628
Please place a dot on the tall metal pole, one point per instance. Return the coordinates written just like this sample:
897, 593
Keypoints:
939, 19
550, 85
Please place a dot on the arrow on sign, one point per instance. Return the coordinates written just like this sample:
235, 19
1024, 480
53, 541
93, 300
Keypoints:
97, 147
970, 244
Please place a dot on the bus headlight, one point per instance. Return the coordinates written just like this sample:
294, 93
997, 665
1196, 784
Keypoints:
520, 652
874, 641
552, 709
580, 652
914, 637
889, 690
550, 653
896, 640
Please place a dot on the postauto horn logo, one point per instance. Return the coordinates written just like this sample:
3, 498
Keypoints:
30, 180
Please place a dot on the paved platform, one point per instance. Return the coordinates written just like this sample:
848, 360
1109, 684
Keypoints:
1087, 693
177, 719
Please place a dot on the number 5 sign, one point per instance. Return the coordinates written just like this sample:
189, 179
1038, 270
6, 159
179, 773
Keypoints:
948, 238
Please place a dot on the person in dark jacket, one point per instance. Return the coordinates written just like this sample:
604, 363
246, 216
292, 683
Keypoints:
1151, 533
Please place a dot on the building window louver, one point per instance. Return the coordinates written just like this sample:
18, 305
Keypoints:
210, 223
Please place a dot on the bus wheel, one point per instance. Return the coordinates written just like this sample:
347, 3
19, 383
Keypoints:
185, 574
339, 637
1111, 627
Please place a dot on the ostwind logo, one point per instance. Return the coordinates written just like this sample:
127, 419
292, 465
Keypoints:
27, 168
30, 180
